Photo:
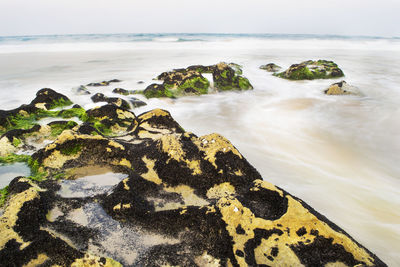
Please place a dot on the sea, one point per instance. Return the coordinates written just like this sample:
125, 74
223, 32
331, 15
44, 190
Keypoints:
340, 154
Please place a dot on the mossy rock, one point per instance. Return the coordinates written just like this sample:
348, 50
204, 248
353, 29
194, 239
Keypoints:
190, 81
26, 116
310, 70
228, 78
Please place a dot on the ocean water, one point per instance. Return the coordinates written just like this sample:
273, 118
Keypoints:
340, 154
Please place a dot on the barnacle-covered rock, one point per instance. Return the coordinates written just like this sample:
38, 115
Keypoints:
310, 70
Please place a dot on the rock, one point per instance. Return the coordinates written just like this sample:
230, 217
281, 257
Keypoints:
122, 91
50, 99
342, 88
227, 78
156, 90
136, 102
140, 82
104, 83
119, 102
81, 90
26, 116
310, 70
181, 200
190, 81
271, 67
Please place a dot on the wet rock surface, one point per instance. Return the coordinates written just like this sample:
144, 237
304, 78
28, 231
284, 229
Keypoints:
342, 88
310, 70
190, 81
271, 67
165, 197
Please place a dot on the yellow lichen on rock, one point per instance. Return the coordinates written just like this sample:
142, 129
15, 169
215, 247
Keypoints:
264, 184
206, 260
68, 135
297, 217
212, 144
6, 147
151, 174
56, 159
126, 186
124, 114
95, 261
41, 106
221, 190
10, 217
40, 259
116, 145
171, 145
23, 113
188, 195
153, 113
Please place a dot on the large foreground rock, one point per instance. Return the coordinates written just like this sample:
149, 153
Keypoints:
310, 70
180, 200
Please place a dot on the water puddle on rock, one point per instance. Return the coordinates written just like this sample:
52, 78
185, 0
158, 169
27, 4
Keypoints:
91, 185
10, 171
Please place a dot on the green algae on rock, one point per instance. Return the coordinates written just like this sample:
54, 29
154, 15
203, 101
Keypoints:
190, 81
310, 70
187, 200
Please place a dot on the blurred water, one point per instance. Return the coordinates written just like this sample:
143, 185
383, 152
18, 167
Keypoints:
338, 153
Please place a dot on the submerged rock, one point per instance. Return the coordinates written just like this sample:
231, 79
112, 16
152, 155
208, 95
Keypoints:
342, 88
271, 67
190, 81
310, 70
186, 200
81, 90
104, 83
122, 91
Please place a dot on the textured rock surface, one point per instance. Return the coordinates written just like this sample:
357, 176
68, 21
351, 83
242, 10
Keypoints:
190, 81
310, 70
183, 200
270, 67
342, 88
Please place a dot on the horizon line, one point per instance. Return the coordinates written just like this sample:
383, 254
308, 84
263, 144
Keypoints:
202, 33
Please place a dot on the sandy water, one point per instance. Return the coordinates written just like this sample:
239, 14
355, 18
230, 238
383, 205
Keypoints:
338, 153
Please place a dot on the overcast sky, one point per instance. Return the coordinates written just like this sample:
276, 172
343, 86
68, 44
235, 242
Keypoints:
344, 17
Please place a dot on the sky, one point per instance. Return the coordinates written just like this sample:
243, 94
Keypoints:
336, 17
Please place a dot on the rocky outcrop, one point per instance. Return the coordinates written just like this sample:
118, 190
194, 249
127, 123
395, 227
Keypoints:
271, 67
190, 81
310, 70
342, 88
182, 200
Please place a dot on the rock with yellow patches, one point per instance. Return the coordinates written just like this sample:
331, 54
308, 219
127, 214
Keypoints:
199, 192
